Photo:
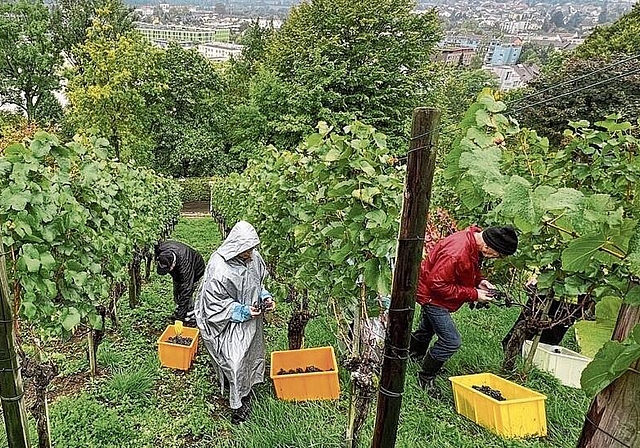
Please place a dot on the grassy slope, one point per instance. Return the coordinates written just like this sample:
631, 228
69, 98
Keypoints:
136, 403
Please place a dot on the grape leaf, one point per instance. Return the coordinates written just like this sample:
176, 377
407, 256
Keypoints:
577, 256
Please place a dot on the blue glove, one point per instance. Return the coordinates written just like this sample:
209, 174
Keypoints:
241, 313
264, 295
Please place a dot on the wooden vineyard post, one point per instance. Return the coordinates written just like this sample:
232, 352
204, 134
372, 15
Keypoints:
11, 388
417, 195
613, 418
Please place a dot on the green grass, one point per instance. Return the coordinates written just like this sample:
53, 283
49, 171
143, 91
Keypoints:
137, 403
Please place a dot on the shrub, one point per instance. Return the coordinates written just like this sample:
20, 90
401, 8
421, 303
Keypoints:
195, 189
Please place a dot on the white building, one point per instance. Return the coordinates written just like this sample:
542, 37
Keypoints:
219, 51
514, 76
144, 11
516, 27
156, 33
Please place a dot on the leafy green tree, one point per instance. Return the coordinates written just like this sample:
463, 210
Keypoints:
617, 89
454, 89
341, 61
189, 126
556, 109
29, 57
247, 128
116, 91
72, 18
535, 53
254, 40
623, 36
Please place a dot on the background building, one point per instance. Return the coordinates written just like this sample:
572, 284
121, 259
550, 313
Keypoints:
456, 56
514, 76
182, 34
220, 51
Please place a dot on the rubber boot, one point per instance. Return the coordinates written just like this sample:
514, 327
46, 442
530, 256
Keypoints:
417, 349
427, 375
242, 413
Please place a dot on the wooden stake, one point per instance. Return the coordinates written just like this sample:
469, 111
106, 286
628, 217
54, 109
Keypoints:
352, 437
417, 195
11, 388
613, 418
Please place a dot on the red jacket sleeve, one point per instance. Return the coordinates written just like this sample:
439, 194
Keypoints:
443, 282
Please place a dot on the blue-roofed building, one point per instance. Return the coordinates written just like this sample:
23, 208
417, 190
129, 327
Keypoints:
503, 54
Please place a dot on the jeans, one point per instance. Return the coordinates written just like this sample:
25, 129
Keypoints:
437, 321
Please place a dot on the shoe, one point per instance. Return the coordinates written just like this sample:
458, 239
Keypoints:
430, 387
242, 413
427, 375
417, 349
427, 383
237, 418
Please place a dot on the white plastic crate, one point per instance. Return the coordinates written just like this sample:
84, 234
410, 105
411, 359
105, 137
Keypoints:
564, 364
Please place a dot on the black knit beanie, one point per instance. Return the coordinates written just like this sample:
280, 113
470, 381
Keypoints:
501, 239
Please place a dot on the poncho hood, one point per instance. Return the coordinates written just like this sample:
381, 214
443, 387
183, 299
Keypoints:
242, 237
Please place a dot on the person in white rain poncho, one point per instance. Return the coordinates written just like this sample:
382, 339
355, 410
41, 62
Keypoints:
230, 323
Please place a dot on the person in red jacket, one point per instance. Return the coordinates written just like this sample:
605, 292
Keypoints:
449, 277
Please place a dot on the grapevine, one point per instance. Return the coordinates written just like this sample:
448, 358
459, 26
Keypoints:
575, 207
74, 220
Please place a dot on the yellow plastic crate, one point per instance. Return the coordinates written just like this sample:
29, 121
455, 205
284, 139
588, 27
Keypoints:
306, 386
522, 414
178, 356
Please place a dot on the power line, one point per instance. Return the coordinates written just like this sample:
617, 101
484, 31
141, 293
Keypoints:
455, 130
570, 81
571, 92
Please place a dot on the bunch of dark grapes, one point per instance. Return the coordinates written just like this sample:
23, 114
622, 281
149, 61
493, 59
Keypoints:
261, 306
309, 369
493, 393
180, 340
501, 296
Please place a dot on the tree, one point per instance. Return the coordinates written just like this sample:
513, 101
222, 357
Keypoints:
620, 95
557, 19
29, 57
614, 44
535, 53
72, 18
116, 91
254, 40
454, 89
621, 37
189, 125
343, 62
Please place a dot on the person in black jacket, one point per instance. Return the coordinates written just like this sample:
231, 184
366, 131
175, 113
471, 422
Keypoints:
186, 267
